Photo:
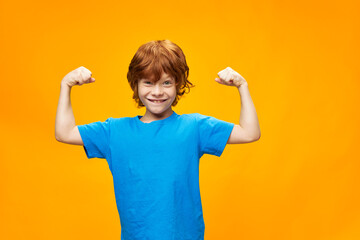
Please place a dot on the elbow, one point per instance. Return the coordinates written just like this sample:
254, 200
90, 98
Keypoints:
57, 138
59, 135
256, 137
253, 134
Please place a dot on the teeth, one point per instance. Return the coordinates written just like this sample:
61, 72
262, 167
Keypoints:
157, 101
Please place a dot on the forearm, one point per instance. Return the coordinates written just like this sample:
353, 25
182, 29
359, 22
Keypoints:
65, 120
248, 116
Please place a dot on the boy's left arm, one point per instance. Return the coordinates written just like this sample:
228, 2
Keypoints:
248, 129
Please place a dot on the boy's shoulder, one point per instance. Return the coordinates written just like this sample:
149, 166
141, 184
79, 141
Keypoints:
120, 119
196, 115
188, 115
193, 116
197, 118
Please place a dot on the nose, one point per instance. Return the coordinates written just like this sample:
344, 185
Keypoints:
157, 90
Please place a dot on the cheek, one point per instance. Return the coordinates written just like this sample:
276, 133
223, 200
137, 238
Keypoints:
173, 91
140, 92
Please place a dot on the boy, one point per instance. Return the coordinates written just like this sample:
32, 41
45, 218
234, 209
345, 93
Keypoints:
154, 159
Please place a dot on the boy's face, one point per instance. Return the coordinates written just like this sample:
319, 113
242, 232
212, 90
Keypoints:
164, 89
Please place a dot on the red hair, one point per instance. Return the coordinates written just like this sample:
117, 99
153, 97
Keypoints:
152, 59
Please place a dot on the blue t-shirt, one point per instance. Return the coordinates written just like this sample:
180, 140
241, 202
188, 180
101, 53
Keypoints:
155, 169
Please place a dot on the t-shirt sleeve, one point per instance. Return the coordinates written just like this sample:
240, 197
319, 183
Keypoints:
96, 138
213, 134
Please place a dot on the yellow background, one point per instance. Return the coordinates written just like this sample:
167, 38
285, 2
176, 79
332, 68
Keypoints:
300, 59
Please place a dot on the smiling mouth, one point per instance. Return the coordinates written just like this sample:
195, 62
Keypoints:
157, 101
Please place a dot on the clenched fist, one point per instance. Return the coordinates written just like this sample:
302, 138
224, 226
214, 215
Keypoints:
230, 78
78, 76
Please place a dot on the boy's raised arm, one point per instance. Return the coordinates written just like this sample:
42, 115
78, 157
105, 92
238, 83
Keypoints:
248, 129
65, 127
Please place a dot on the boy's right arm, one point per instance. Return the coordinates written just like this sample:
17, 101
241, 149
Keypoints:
66, 130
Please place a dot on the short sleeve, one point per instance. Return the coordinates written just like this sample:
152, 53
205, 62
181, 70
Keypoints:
213, 134
96, 138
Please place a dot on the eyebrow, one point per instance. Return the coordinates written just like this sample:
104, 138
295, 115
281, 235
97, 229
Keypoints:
168, 78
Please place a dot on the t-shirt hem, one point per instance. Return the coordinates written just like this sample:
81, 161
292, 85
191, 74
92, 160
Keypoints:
226, 136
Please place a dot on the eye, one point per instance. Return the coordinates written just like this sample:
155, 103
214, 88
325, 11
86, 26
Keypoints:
168, 82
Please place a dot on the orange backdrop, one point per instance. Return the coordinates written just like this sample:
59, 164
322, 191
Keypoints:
300, 59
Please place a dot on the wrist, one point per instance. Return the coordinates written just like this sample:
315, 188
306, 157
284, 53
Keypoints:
64, 85
243, 85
